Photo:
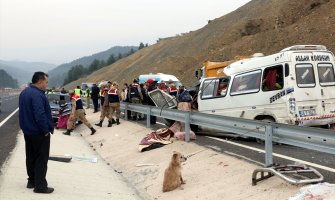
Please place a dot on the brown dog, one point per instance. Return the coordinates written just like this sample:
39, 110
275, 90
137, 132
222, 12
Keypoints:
172, 175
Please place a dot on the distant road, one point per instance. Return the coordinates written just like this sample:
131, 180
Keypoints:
9, 127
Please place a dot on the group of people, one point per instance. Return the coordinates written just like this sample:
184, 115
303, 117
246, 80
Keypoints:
37, 124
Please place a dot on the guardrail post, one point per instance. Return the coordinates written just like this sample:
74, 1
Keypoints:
268, 146
148, 117
126, 111
187, 126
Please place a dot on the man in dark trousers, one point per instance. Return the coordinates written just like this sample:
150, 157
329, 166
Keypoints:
95, 97
37, 126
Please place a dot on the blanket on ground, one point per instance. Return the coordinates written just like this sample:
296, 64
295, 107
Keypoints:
156, 139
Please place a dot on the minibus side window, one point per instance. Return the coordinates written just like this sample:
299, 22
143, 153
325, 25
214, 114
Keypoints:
273, 78
208, 88
222, 87
246, 83
326, 74
305, 75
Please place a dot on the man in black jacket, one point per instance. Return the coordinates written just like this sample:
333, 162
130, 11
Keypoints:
95, 97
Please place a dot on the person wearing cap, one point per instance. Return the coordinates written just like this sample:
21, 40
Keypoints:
135, 96
104, 106
77, 113
114, 97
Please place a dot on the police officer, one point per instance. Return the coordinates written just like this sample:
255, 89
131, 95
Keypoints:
135, 96
104, 106
114, 97
77, 113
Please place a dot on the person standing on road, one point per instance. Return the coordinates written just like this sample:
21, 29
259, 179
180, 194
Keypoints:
150, 87
88, 98
114, 97
77, 113
104, 106
37, 126
135, 96
95, 97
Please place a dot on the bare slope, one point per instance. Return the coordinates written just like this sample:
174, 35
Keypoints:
265, 26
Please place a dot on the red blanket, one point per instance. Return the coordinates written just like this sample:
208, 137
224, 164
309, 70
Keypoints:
155, 139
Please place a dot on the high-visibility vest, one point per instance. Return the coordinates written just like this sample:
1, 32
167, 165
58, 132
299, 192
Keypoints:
77, 91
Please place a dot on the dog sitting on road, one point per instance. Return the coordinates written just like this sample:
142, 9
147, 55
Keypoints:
172, 174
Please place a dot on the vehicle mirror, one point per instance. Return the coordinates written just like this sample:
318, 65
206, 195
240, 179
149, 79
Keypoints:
197, 74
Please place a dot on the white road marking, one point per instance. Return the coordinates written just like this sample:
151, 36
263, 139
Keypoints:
277, 155
7, 118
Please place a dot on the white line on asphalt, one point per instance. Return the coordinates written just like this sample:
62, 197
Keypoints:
7, 118
277, 155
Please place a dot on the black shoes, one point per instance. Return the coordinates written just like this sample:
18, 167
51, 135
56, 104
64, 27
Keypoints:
47, 190
30, 185
93, 131
99, 124
67, 132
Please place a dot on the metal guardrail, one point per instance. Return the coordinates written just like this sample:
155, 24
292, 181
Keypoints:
306, 137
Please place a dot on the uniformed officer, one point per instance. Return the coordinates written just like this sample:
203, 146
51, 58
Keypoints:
77, 113
114, 97
104, 108
135, 96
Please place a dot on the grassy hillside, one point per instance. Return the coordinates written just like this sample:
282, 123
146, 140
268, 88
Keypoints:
265, 26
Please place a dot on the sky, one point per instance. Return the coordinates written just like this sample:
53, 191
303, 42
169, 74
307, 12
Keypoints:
60, 31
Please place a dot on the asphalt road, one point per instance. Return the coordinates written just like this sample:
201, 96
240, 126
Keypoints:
9, 128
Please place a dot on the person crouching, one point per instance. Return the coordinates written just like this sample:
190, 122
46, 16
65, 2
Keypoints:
77, 113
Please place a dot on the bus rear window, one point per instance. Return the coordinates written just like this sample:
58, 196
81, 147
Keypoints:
326, 74
305, 75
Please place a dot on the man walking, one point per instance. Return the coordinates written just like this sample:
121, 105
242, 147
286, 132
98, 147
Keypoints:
77, 113
37, 125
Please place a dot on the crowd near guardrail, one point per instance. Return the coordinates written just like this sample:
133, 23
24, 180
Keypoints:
306, 137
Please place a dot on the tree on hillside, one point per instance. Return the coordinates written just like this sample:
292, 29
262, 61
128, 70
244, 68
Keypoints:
130, 52
102, 64
6, 80
75, 73
95, 65
119, 56
141, 46
111, 59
